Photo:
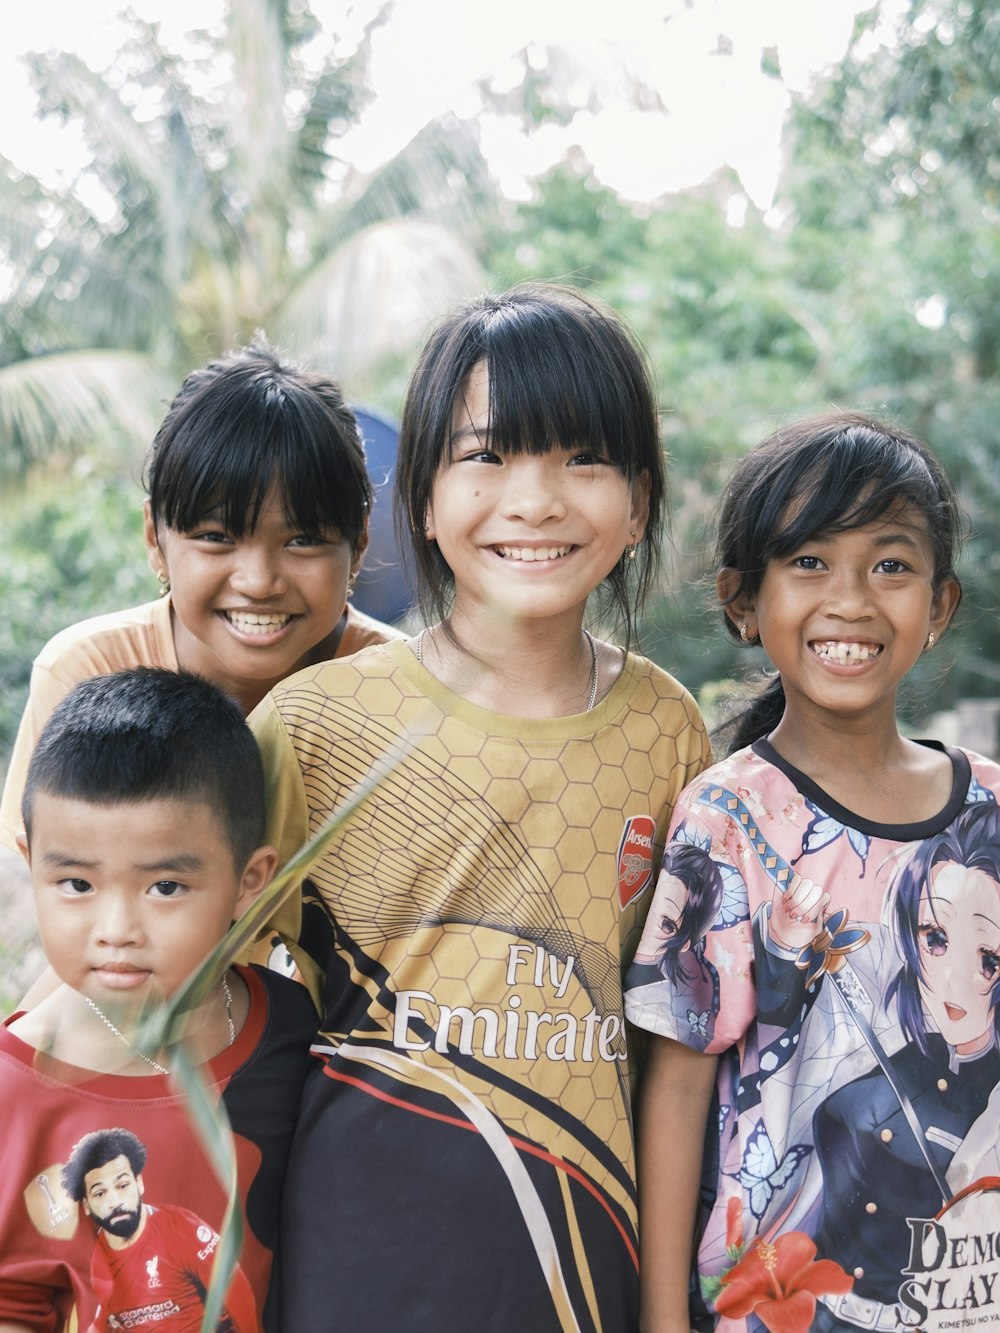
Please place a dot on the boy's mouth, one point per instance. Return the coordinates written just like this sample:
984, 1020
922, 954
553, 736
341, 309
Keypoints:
836, 650
257, 622
530, 553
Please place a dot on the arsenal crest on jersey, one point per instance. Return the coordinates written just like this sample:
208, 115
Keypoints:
635, 858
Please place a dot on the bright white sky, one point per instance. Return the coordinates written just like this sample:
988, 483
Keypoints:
426, 59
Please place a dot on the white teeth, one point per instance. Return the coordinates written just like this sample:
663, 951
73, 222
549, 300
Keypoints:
257, 622
530, 553
835, 651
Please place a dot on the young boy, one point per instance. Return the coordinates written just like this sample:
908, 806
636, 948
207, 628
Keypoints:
143, 814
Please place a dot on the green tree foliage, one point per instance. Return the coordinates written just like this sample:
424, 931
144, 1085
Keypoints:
69, 534
894, 187
872, 285
215, 202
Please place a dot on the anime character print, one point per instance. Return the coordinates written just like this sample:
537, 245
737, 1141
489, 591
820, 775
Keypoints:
863, 1157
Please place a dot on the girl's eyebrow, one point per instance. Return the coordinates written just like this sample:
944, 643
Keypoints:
469, 432
902, 538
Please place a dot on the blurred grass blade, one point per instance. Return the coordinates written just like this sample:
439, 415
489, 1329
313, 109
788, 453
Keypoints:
212, 1123
163, 1029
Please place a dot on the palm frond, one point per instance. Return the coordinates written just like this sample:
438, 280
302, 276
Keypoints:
60, 404
373, 297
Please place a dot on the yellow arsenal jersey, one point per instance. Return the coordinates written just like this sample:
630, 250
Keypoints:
465, 1156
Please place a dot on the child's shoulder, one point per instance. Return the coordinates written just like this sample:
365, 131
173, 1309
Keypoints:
126, 636
985, 774
340, 675
745, 775
641, 673
279, 993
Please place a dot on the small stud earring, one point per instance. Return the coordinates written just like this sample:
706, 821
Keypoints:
164, 583
931, 639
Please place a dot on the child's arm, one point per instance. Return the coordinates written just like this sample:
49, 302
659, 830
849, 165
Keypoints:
674, 1099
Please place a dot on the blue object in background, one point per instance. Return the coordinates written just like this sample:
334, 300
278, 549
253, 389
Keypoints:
383, 589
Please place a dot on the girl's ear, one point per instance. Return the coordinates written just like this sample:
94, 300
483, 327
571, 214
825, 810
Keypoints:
360, 547
639, 512
154, 556
429, 532
944, 605
738, 607
257, 875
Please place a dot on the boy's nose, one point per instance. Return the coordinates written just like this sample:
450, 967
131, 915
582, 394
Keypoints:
119, 925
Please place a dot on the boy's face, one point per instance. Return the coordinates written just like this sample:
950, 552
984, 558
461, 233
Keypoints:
131, 898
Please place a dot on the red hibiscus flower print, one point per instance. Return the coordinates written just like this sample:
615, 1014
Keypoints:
778, 1282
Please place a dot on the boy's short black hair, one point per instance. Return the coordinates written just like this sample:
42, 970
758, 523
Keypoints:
152, 734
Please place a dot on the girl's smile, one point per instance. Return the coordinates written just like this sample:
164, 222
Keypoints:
839, 653
846, 615
249, 610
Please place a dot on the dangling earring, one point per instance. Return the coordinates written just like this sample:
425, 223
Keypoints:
630, 550
743, 632
164, 583
930, 642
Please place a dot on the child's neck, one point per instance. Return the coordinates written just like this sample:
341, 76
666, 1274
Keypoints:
874, 772
533, 670
67, 1027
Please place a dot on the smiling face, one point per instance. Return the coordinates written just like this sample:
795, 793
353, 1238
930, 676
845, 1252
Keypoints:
250, 610
131, 897
958, 932
528, 536
845, 616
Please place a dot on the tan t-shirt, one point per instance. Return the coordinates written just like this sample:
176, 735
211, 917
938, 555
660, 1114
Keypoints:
140, 636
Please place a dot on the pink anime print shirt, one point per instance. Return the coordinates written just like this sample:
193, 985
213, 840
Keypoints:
852, 1168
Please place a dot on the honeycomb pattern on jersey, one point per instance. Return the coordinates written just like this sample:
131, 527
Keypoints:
481, 848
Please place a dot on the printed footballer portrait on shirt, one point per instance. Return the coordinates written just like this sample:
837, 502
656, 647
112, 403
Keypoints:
151, 1264
861, 1137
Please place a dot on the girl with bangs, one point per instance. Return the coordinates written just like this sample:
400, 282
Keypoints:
836, 1138
256, 523
464, 1159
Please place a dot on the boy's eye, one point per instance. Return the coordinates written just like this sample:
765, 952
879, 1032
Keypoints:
808, 562
166, 888
74, 888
